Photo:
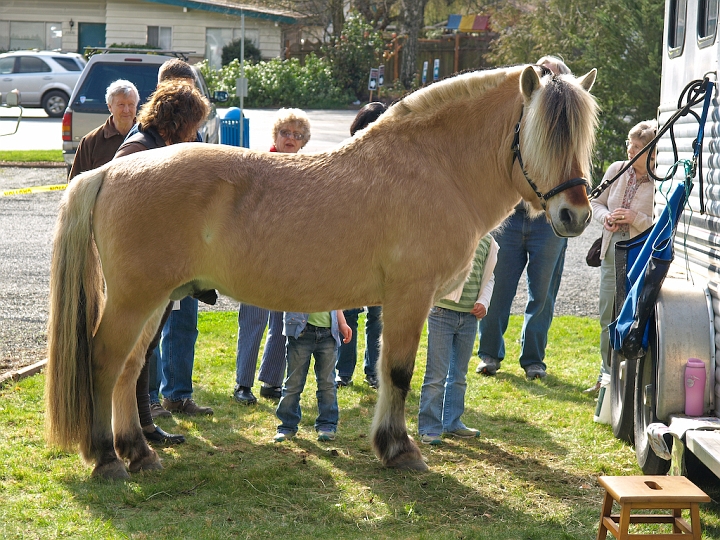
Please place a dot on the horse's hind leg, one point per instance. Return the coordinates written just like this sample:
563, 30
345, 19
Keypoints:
114, 340
402, 324
130, 442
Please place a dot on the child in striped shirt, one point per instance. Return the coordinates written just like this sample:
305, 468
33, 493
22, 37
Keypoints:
452, 327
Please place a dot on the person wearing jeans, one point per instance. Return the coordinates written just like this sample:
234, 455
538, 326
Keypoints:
347, 355
525, 243
317, 335
452, 327
290, 133
177, 359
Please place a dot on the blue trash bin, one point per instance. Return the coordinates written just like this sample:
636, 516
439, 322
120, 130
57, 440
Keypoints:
230, 128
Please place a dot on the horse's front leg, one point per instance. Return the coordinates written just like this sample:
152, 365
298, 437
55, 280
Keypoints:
403, 320
130, 442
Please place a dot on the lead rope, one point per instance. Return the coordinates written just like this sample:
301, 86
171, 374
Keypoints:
696, 91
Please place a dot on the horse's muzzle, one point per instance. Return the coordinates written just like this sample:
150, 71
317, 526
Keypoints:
569, 220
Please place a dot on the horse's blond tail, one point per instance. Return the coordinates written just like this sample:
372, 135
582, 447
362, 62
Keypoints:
76, 302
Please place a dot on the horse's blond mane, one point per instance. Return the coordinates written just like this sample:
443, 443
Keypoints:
559, 124
465, 86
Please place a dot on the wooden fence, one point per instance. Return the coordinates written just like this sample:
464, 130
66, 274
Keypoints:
456, 52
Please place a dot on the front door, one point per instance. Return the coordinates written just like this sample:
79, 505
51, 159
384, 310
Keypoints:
90, 35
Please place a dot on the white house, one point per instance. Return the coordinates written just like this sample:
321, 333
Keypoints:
201, 27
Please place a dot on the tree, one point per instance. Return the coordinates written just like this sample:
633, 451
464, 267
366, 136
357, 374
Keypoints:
378, 13
353, 53
621, 38
413, 15
231, 51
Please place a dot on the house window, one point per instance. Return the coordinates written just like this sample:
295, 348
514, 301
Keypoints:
707, 22
16, 35
217, 38
160, 37
676, 27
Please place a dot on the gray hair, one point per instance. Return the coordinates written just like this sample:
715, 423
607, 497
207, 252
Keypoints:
291, 116
643, 131
121, 86
554, 64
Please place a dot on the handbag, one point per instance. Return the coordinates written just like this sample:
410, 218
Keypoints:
593, 255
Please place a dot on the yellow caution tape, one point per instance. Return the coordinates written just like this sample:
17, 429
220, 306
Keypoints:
38, 189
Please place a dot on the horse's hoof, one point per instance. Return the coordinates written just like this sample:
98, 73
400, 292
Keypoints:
408, 461
113, 470
151, 462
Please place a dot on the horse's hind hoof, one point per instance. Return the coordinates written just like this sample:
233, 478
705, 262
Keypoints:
150, 462
408, 461
113, 470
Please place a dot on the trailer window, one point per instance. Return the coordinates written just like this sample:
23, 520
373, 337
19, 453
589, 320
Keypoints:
707, 22
676, 27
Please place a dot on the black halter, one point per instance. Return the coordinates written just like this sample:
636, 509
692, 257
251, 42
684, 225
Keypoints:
554, 191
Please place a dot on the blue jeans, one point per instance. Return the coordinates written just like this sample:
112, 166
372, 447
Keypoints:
347, 355
252, 321
317, 342
172, 374
532, 243
451, 337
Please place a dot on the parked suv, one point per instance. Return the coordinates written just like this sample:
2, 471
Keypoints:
43, 78
88, 109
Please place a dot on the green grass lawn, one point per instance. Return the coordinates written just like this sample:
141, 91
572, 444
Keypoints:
530, 476
31, 155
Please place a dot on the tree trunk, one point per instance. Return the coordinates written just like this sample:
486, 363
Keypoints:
413, 19
337, 16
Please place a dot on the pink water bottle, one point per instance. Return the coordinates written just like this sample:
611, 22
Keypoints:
694, 387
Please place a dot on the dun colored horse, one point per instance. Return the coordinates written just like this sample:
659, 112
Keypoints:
391, 217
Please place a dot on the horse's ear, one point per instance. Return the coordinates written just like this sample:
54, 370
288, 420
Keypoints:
529, 81
587, 80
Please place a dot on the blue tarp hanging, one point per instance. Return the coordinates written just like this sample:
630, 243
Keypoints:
641, 265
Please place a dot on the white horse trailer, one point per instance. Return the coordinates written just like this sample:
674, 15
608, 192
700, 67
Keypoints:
651, 390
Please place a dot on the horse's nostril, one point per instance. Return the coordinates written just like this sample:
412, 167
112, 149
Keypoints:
566, 216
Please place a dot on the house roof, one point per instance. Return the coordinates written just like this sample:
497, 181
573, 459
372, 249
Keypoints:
229, 7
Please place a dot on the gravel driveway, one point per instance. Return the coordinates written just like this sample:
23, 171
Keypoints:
26, 225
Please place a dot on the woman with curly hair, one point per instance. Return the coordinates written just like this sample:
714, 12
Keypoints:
173, 114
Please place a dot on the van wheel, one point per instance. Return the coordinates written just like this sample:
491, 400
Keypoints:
55, 102
646, 410
622, 391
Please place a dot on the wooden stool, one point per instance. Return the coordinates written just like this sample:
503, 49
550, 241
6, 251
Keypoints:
674, 493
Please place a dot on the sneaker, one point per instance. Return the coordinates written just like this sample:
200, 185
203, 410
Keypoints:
244, 396
432, 438
371, 381
282, 437
185, 406
271, 392
343, 381
157, 411
535, 371
326, 435
488, 366
464, 433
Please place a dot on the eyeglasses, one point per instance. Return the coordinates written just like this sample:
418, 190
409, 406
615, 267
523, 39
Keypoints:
294, 134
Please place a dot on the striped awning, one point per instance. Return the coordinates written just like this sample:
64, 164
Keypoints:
468, 23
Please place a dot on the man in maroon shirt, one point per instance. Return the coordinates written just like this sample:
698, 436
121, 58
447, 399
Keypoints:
99, 146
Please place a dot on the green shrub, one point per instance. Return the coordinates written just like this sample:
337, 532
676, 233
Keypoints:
280, 83
351, 56
232, 51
